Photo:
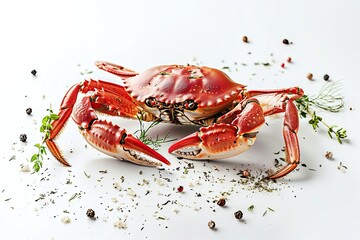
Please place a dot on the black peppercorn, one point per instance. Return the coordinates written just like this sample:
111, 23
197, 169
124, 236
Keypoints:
285, 41
28, 111
90, 213
221, 202
23, 137
238, 214
326, 77
211, 224
33, 72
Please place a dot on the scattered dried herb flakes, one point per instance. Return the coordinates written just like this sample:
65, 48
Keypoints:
267, 210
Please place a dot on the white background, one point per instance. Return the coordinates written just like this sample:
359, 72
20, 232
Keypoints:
62, 39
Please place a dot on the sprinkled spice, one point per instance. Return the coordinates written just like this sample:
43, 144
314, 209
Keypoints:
211, 224
309, 76
245, 39
283, 65
285, 41
329, 155
180, 189
28, 111
238, 214
23, 137
289, 60
33, 72
221, 202
326, 77
90, 213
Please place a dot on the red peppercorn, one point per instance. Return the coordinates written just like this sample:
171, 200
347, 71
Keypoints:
180, 189
289, 60
283, 65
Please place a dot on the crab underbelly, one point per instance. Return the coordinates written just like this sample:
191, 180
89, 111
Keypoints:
200, 118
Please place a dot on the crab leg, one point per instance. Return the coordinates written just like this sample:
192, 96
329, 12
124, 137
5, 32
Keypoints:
292, 150
231, 135
278, 101
103, 135
116, 69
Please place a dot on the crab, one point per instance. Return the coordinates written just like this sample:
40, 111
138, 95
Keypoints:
228, 115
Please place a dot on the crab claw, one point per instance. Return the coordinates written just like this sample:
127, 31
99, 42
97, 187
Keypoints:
215, 142
114, 141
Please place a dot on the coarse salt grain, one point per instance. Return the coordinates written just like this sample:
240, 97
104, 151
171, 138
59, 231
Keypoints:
25, 168
120, 224
66, 219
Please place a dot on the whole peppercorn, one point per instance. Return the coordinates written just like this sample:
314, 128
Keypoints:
211, 224
180, 189
238, 214
245, 173
289, 60
309, 76
245, 39
33, 72
329, 155
90, 213
221, 202
326, 77
23, 137
28, 111
285, 41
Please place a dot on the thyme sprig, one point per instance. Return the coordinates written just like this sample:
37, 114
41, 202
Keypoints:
143, 135
329, 99
37, 158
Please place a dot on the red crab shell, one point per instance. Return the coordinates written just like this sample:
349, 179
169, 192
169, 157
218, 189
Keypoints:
172, 84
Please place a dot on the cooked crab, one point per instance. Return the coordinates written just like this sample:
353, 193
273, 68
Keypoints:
228, 114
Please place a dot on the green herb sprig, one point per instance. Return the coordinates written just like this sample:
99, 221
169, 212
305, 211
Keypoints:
329, 99
37, 158
143, 135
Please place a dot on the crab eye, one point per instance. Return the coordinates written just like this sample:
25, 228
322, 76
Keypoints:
150, 102
190, 104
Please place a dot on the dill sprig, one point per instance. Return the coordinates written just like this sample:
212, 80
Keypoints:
37, 158
329, 99
143, 135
